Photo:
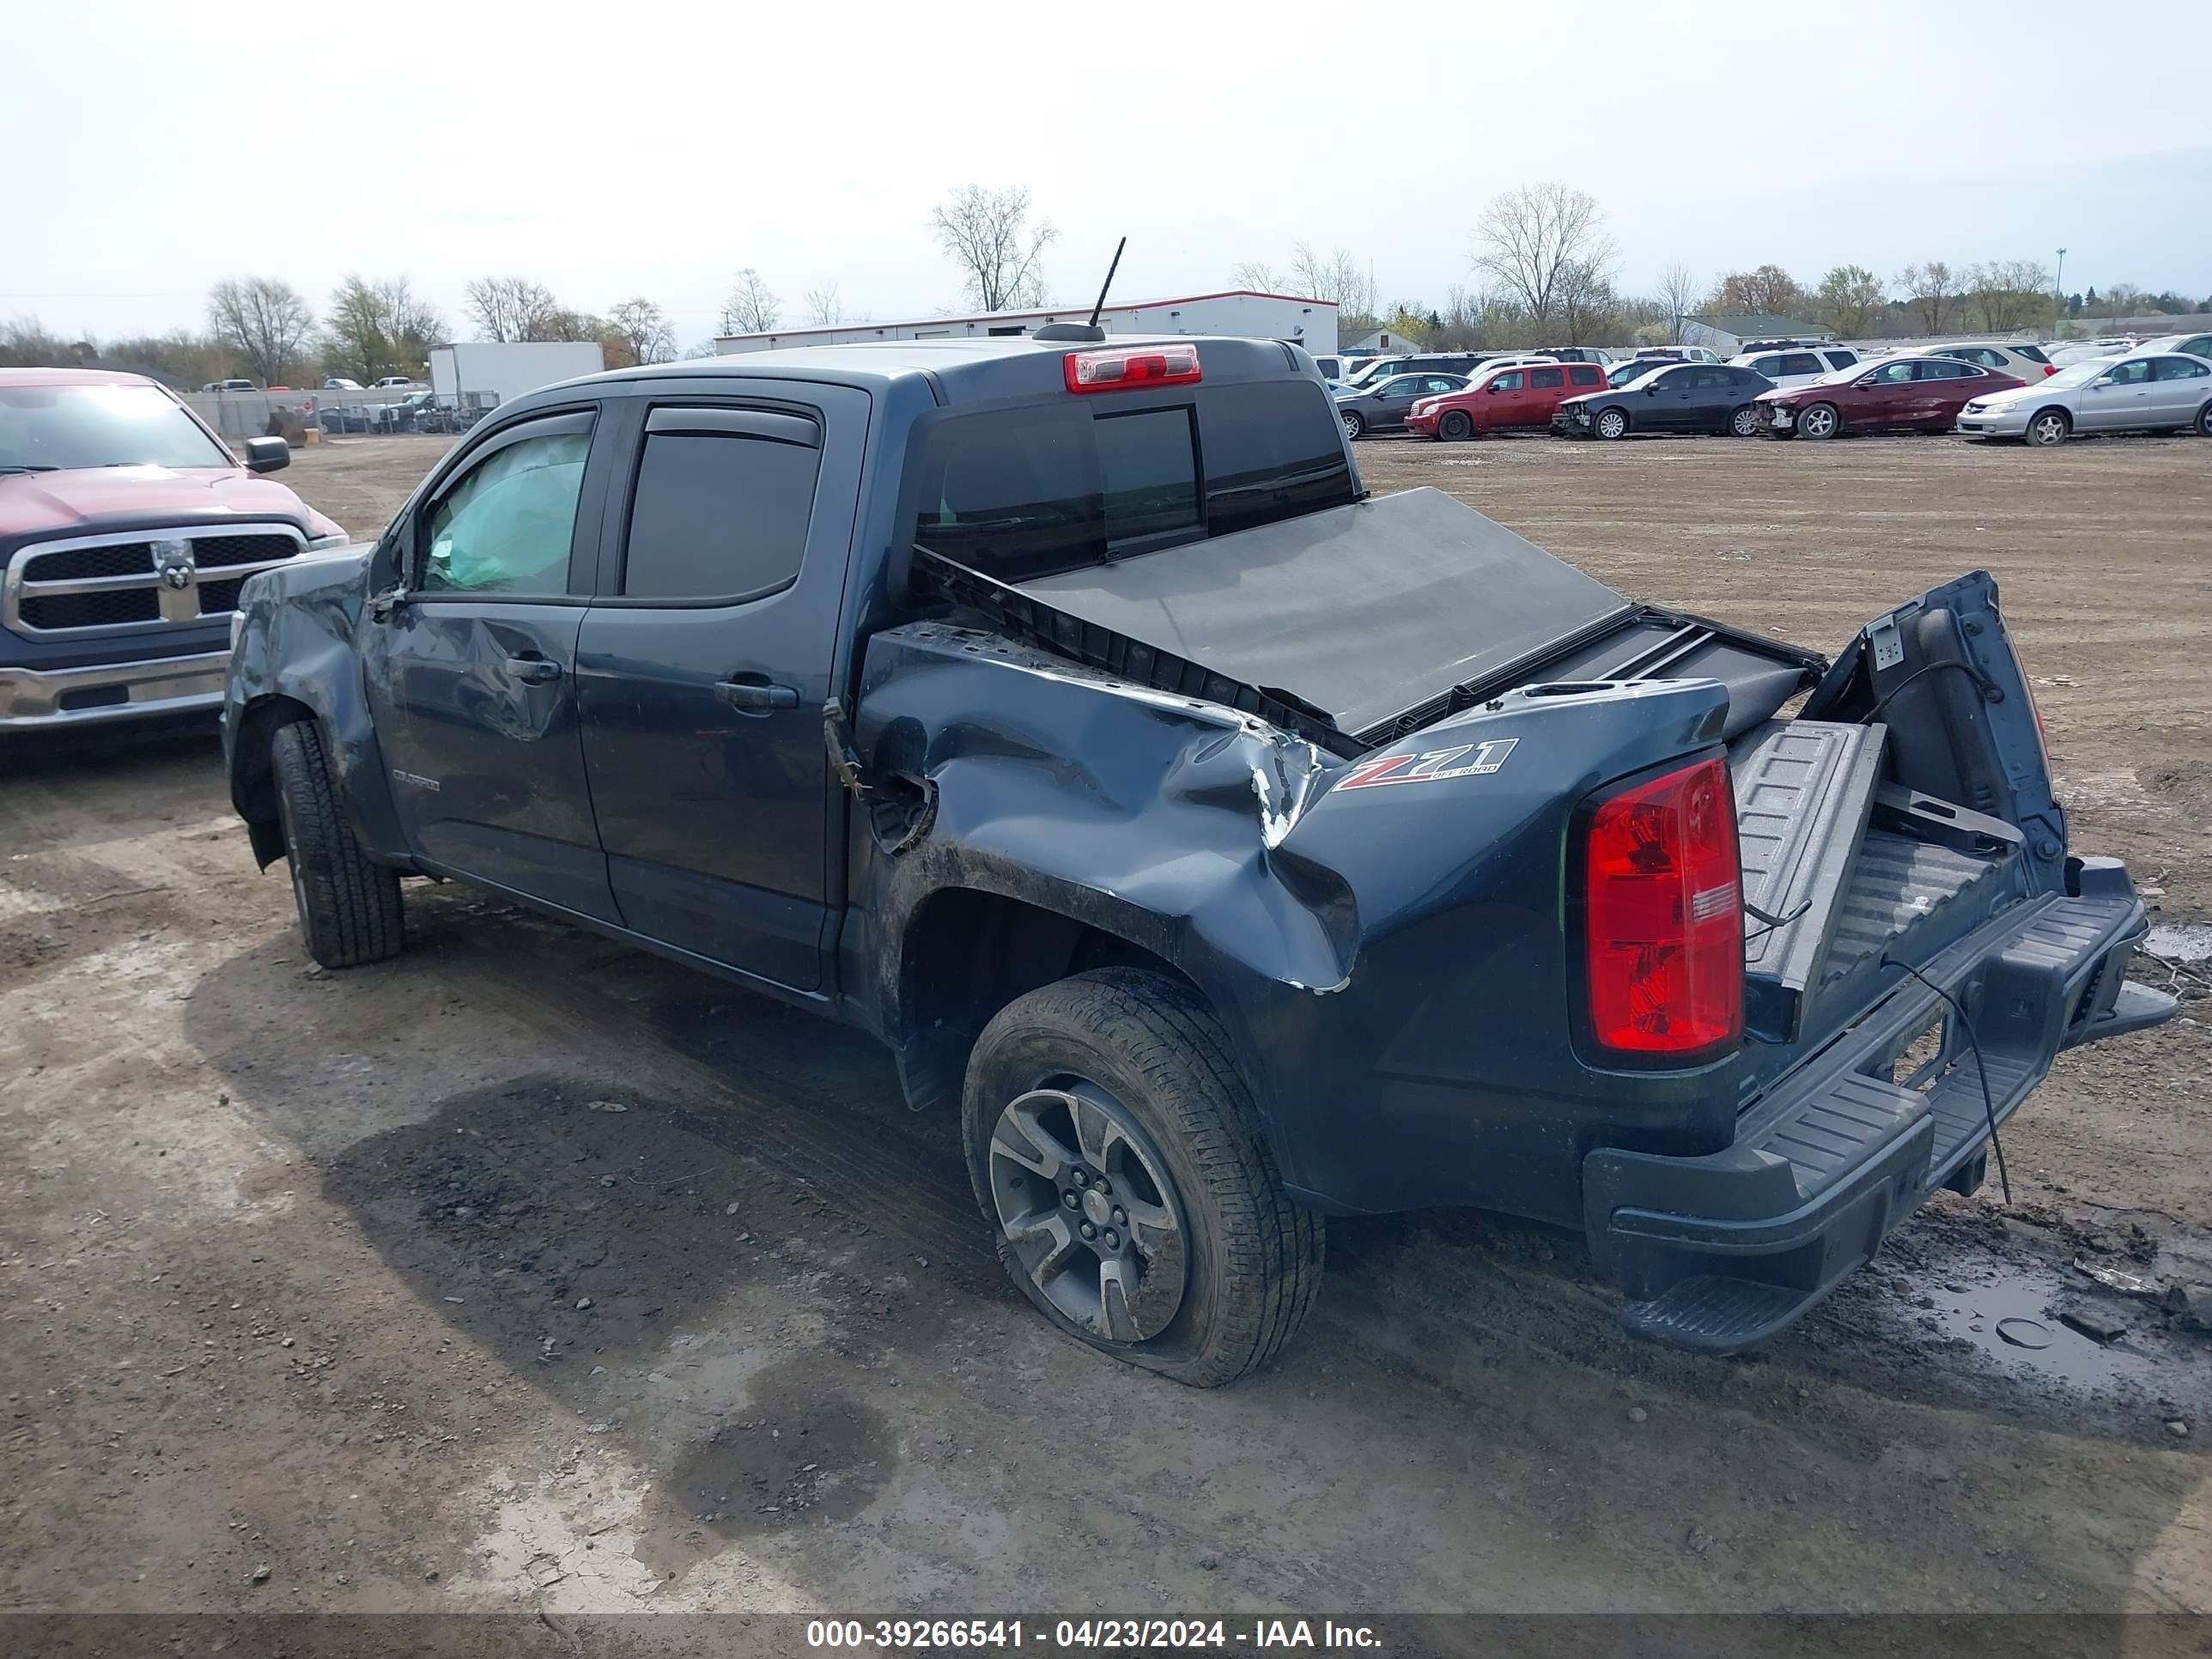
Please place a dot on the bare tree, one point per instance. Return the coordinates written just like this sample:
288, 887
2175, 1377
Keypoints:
823, 307
644, 330
1258, 274
752, 307
1932, 289
264, 321
508, 307
1340, 279
2009, 293
1586, 301
562, 324
986, 232
1679, 292
25, 344
1531, 237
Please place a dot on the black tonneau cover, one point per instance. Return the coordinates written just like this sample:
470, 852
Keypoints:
1362, 611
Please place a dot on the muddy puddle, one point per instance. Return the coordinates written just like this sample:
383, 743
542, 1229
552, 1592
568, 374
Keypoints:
2015, 1314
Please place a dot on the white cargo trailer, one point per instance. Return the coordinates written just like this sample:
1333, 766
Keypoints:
485, 373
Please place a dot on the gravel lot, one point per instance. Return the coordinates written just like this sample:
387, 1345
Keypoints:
527, 1273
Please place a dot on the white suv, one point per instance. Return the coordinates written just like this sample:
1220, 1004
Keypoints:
1795, 365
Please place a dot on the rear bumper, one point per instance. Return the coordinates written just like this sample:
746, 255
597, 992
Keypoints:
35, 700
1718, 1253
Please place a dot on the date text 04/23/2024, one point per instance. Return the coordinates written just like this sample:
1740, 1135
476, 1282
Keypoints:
892, 1634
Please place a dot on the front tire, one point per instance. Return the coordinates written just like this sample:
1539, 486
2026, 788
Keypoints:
1744, 422
2048, 428
1456, 425
349, 909
1355, 425
1611, 423
1119, 1160
2204, 422
1822, 421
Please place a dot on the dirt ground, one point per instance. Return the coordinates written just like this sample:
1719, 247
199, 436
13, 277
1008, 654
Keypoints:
527, 1273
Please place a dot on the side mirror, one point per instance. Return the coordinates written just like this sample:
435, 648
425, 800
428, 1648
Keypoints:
2101, 382
1652, 391
267, 454
1492, 388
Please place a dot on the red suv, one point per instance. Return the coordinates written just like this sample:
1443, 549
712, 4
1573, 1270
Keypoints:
127, 528
1504, 398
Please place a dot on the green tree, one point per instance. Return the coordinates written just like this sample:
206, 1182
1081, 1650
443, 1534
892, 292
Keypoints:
1850, 299
1767, 291
377, 328
265, 322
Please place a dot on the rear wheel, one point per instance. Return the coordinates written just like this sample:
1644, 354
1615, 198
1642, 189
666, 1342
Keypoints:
1355, 425
2204, 421
1611, 423
1457, 425
1744, 422
2049, 426
349, 907
1822, 421
1119, 1160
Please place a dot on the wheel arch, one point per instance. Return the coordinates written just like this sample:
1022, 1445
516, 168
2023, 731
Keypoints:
253, 770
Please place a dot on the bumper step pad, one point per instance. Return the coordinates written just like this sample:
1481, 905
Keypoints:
1718, 1253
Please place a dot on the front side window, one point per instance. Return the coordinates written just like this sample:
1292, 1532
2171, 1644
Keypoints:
1769, 366
1507, 382
59, 429
2134, 373
1892, 374
506, 528
718, 515
1677, 379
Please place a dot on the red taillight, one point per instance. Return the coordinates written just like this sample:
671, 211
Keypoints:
1664, 915
2051, 368
1111, 370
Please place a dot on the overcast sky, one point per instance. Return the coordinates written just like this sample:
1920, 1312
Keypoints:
614, 150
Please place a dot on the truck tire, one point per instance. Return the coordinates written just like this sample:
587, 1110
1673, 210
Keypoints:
1121, 1162
349, 909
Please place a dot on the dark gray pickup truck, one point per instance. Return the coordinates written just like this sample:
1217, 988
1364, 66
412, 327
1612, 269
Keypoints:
1233, 848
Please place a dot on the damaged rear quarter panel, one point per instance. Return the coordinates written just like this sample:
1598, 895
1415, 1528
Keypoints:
1389, 962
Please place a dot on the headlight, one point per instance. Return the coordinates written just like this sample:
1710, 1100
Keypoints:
323, 544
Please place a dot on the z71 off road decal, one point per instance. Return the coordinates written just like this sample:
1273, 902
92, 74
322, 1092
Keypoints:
1469, 760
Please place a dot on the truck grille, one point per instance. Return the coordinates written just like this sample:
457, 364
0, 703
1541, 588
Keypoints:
140, 580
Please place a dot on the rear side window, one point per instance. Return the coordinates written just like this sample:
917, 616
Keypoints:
1583, 374
1840, 358
2181, 368
1543, 378
2033, 354
718, 515
1717, 377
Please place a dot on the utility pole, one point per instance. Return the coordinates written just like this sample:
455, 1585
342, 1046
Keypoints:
2058, 309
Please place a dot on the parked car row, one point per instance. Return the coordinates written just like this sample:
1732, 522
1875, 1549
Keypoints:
1999, 390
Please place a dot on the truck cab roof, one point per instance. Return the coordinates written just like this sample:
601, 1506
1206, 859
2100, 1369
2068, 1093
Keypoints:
965, 370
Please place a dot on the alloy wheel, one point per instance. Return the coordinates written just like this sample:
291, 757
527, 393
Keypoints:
1088, 1211
1820, 421
1745, 421
2048, 428
1354, 426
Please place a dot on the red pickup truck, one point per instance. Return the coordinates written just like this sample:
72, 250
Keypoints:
1504, 398
126, 529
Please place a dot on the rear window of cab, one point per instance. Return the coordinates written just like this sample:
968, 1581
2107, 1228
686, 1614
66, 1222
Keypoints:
1030, 491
